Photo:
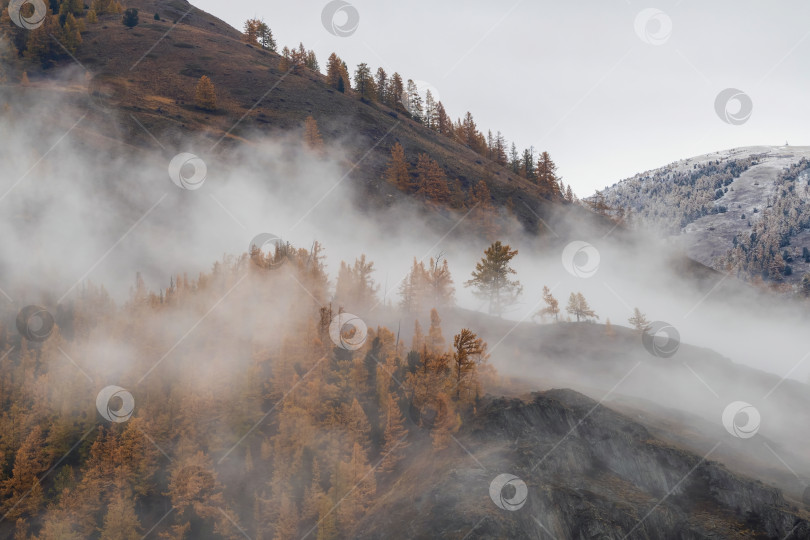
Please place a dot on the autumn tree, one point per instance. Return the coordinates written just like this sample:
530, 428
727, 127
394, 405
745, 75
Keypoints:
394, 435
547, 176
336, 73
552, 308
431, 181
312, 136
469, 351
205, 96
578, 306
355, 286
364, 82
638, 320
397, 172
490, 279
395, 91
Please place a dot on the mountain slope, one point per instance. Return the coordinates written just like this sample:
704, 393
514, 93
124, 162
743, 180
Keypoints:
744, 210
144, 79
589, 473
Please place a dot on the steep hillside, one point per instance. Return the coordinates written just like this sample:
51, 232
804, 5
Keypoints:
137, 86
744, 210
577, 470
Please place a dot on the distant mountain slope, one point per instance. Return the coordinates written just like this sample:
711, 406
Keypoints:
744, 210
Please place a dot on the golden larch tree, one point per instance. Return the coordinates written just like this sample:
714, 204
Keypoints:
205, 96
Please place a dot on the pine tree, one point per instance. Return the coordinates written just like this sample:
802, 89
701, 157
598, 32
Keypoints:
205, 96
71, 35
552, 308
638, 320
435, 340
364, 82
397, 172
381, 82
130, 18
547, 176
395, 90
251, 31
491, 278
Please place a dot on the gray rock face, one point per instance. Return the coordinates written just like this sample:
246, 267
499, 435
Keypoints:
590, 473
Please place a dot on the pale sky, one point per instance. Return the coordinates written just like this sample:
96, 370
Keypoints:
575, 77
